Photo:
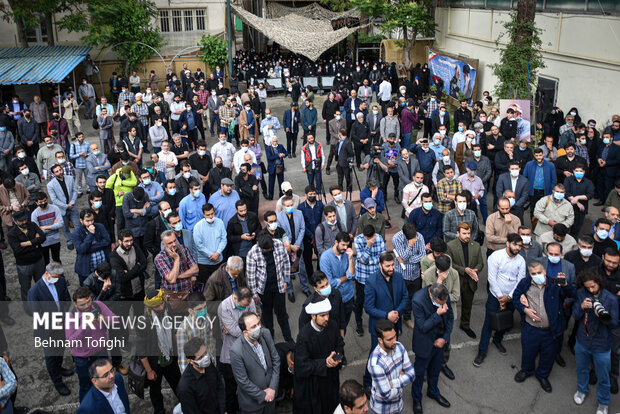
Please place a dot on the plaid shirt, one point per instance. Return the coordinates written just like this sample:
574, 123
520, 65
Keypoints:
226, 114
164, 264
256, 268
453, 218
189, 330
96, 258
430, 108
444, 188
142, 111
67, 167
582, 151
383, 368
76, 149
411, 255
203, 97
125, 96
367, 263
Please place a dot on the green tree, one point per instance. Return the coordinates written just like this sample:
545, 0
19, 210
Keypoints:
523, 48
410, 17
110, 22
214, 51
28, 14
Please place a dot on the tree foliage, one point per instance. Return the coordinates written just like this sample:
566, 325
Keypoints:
109, 22
410, 17
27, 14
214, 51
523, 46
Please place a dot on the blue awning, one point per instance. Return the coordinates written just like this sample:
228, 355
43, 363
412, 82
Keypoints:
39, 64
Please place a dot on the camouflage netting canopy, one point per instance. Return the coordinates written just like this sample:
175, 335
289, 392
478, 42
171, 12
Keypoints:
306, 30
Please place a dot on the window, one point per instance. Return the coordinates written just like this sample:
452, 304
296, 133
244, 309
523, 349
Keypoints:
182, 20
37, 34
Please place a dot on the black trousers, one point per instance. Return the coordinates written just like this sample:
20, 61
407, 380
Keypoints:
274, 301
344, 172
386, 181
332, 154
428, 123
232, 405
580, 217
359, 303
291, 142
307, 255
206, 270
358, 148
412, 287
53, 363
172, 374
538, 194
54, 249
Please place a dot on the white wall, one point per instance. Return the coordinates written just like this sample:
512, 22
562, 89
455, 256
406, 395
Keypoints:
579, 50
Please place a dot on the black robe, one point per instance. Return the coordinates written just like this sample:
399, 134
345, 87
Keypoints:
316, 386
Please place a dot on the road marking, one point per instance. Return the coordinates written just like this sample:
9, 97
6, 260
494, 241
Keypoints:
460, 345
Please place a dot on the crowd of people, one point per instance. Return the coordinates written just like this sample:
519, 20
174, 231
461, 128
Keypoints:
189, 218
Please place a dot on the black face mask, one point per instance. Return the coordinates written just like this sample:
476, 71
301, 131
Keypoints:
312, 199
219, 166
43, 205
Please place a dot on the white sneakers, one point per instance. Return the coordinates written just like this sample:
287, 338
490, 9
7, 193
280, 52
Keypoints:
579, 397
602, 409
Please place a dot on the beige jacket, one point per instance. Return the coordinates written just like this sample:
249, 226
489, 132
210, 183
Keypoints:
497, 230
452, 282
71, 108
561, 212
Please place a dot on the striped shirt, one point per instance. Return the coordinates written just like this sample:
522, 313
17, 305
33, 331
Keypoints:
367, 263
411, 255
384, 369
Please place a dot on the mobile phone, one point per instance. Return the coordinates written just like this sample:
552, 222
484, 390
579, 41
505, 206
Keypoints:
560, 281
337, 357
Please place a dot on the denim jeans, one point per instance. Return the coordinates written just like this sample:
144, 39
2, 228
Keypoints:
484, 208
405, 140
73, 217
602, 365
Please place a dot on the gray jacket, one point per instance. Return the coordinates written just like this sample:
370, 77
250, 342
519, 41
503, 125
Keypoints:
406, 171
57, 196
350, 225
371, 123
388, 126
28, 131
106, 123
213, 105
6, 142
228, 315
39, 112
32, 184
100, 161
324, 240
484, 170
249, 373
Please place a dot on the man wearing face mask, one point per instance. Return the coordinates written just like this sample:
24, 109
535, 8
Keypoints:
200, 385
28, 131
217, 174
256, 365
7, 141
239, 156
553, 209
63, 194
224, 150
153, 190
242, 229
247, 187
224, 200
95, 200
49, 219
602, 241
183, 178
518, 184
50, 294
541, 176
458, 215
136, 209
46, 157
92, 245
158, 134
25, 239
32, 183
195, 325
540, 304
323, 290
229, 311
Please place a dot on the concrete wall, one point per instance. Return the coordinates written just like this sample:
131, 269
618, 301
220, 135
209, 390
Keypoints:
579, 50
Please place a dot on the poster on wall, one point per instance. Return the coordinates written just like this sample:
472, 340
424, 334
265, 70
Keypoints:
521, 115
456, 78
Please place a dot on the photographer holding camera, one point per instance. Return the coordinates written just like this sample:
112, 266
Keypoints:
344, 159
376, 165
596, 313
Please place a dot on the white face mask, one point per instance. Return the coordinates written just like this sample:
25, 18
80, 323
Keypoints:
586, 252
52, 280
338, 198
273, 226
446, 159
526, 239
462, 205
204, 362
25, 172
167, 212
201, 153
514, 173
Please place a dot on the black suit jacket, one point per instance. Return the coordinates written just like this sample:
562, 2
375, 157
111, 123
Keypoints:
40, 300
346, 152
234, 231
428, 324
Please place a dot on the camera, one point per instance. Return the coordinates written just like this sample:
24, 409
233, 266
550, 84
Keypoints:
316, 164
598, 307
375, 152
560, 281
351, 162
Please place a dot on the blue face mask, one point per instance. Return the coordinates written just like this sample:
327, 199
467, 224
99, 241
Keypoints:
125, 162
178, 227
435, 304
147, 181
522, 149
337, 117
539, 279
172, 191
2, 129
554, 259
428, 206
579, 175
442, 113
241, 308
289, 210
326, 291
602, 234
461, 128
268, 116
196, 193
558, 195
97, 204
201, 314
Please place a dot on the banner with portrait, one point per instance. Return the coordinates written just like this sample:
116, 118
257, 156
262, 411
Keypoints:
456, 77
522, 115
